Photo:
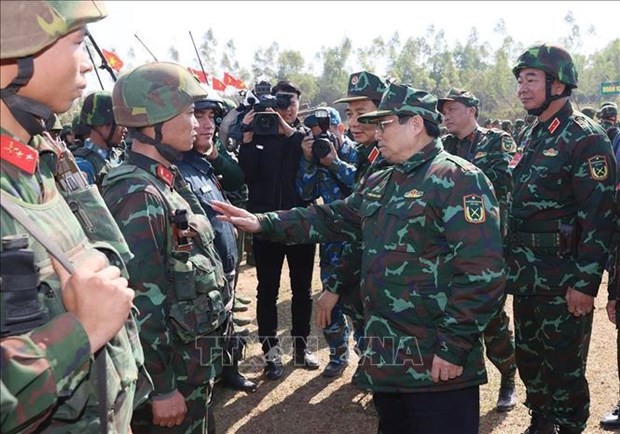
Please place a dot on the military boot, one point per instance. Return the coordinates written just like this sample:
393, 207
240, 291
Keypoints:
540, 425
232, 378
507, 397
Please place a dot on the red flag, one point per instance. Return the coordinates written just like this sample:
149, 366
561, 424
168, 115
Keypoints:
218, 85
113, 60
201, 76
229, 80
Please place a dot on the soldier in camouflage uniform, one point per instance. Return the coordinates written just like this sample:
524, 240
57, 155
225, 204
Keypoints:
589, 112
69, 351
181, 292
432, 268
101, 148
491, 151
608, 117
341, 287
561, 220
330, 177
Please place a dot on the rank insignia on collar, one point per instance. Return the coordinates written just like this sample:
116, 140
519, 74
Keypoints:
19, 155
413, 194
373, 154
165, 175
480, 154
473, 207
550, 152
554, 125
599, 170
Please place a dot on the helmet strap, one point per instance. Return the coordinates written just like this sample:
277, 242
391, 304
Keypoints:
32, 115
165, 150
108, 139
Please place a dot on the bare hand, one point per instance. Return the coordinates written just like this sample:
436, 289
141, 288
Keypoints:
242, 219
324, 306
169, 412
443, 370
579, 304
248, 120
97, 295
306, 147
611, 310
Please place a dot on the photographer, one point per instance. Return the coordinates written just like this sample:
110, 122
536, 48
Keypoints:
269, 161
328, 170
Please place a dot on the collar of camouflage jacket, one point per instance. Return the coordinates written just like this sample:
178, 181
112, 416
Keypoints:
428, 152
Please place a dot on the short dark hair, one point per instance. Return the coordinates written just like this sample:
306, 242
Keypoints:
286, 86
432, 129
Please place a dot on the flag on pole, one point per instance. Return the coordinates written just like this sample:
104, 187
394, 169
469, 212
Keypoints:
112, 59
201, 76
218, 84
229, 80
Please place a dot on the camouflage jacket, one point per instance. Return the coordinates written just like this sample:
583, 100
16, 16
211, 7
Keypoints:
179, 281
561, 216
48, 378
490, 150
366, 156
95, 162
432, 267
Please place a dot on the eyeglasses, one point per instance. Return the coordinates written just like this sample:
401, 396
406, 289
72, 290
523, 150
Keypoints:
380, 126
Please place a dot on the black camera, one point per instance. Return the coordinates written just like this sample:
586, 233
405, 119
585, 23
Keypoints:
267, 123
321, 144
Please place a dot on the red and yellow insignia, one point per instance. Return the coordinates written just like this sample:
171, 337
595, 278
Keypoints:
599, 171
19, 155
165, 175
373, 155
473, 207
554, 125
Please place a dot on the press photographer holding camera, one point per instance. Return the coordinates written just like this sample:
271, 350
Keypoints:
327, 170
269, 156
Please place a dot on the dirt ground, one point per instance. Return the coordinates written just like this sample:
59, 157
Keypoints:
304, 402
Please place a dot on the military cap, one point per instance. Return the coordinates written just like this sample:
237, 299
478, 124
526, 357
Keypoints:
30, 26
463, 96
402, 100
519, 123
363, 85
334, 117
551, 59
97, 109
153, 93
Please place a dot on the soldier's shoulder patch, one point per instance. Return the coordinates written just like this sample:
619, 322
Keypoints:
598, 167
508, 144
473, 209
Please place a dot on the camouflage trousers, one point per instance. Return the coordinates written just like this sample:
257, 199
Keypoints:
196, 419
552, 349
500, 345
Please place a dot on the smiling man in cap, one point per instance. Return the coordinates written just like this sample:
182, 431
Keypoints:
432, 268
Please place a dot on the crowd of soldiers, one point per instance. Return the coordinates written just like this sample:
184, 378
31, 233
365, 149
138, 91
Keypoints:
122, 236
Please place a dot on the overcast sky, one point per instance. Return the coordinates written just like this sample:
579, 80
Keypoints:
307, 26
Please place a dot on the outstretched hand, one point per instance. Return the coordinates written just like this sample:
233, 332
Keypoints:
239, 217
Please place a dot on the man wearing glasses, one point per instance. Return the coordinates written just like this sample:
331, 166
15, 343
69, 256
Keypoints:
432, 267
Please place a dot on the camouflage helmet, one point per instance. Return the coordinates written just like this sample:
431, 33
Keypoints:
519, 123
589, 112
608, 110
403, 100
29, 27
97, 109
506, 124
551, 59
154, 93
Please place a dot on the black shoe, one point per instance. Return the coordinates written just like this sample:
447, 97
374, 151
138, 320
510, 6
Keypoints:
540, 425
333, 370
306, 359
274, 370
612, 419
506, 399
232, 378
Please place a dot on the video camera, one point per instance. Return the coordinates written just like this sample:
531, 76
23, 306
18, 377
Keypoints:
266, 123
320, 145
